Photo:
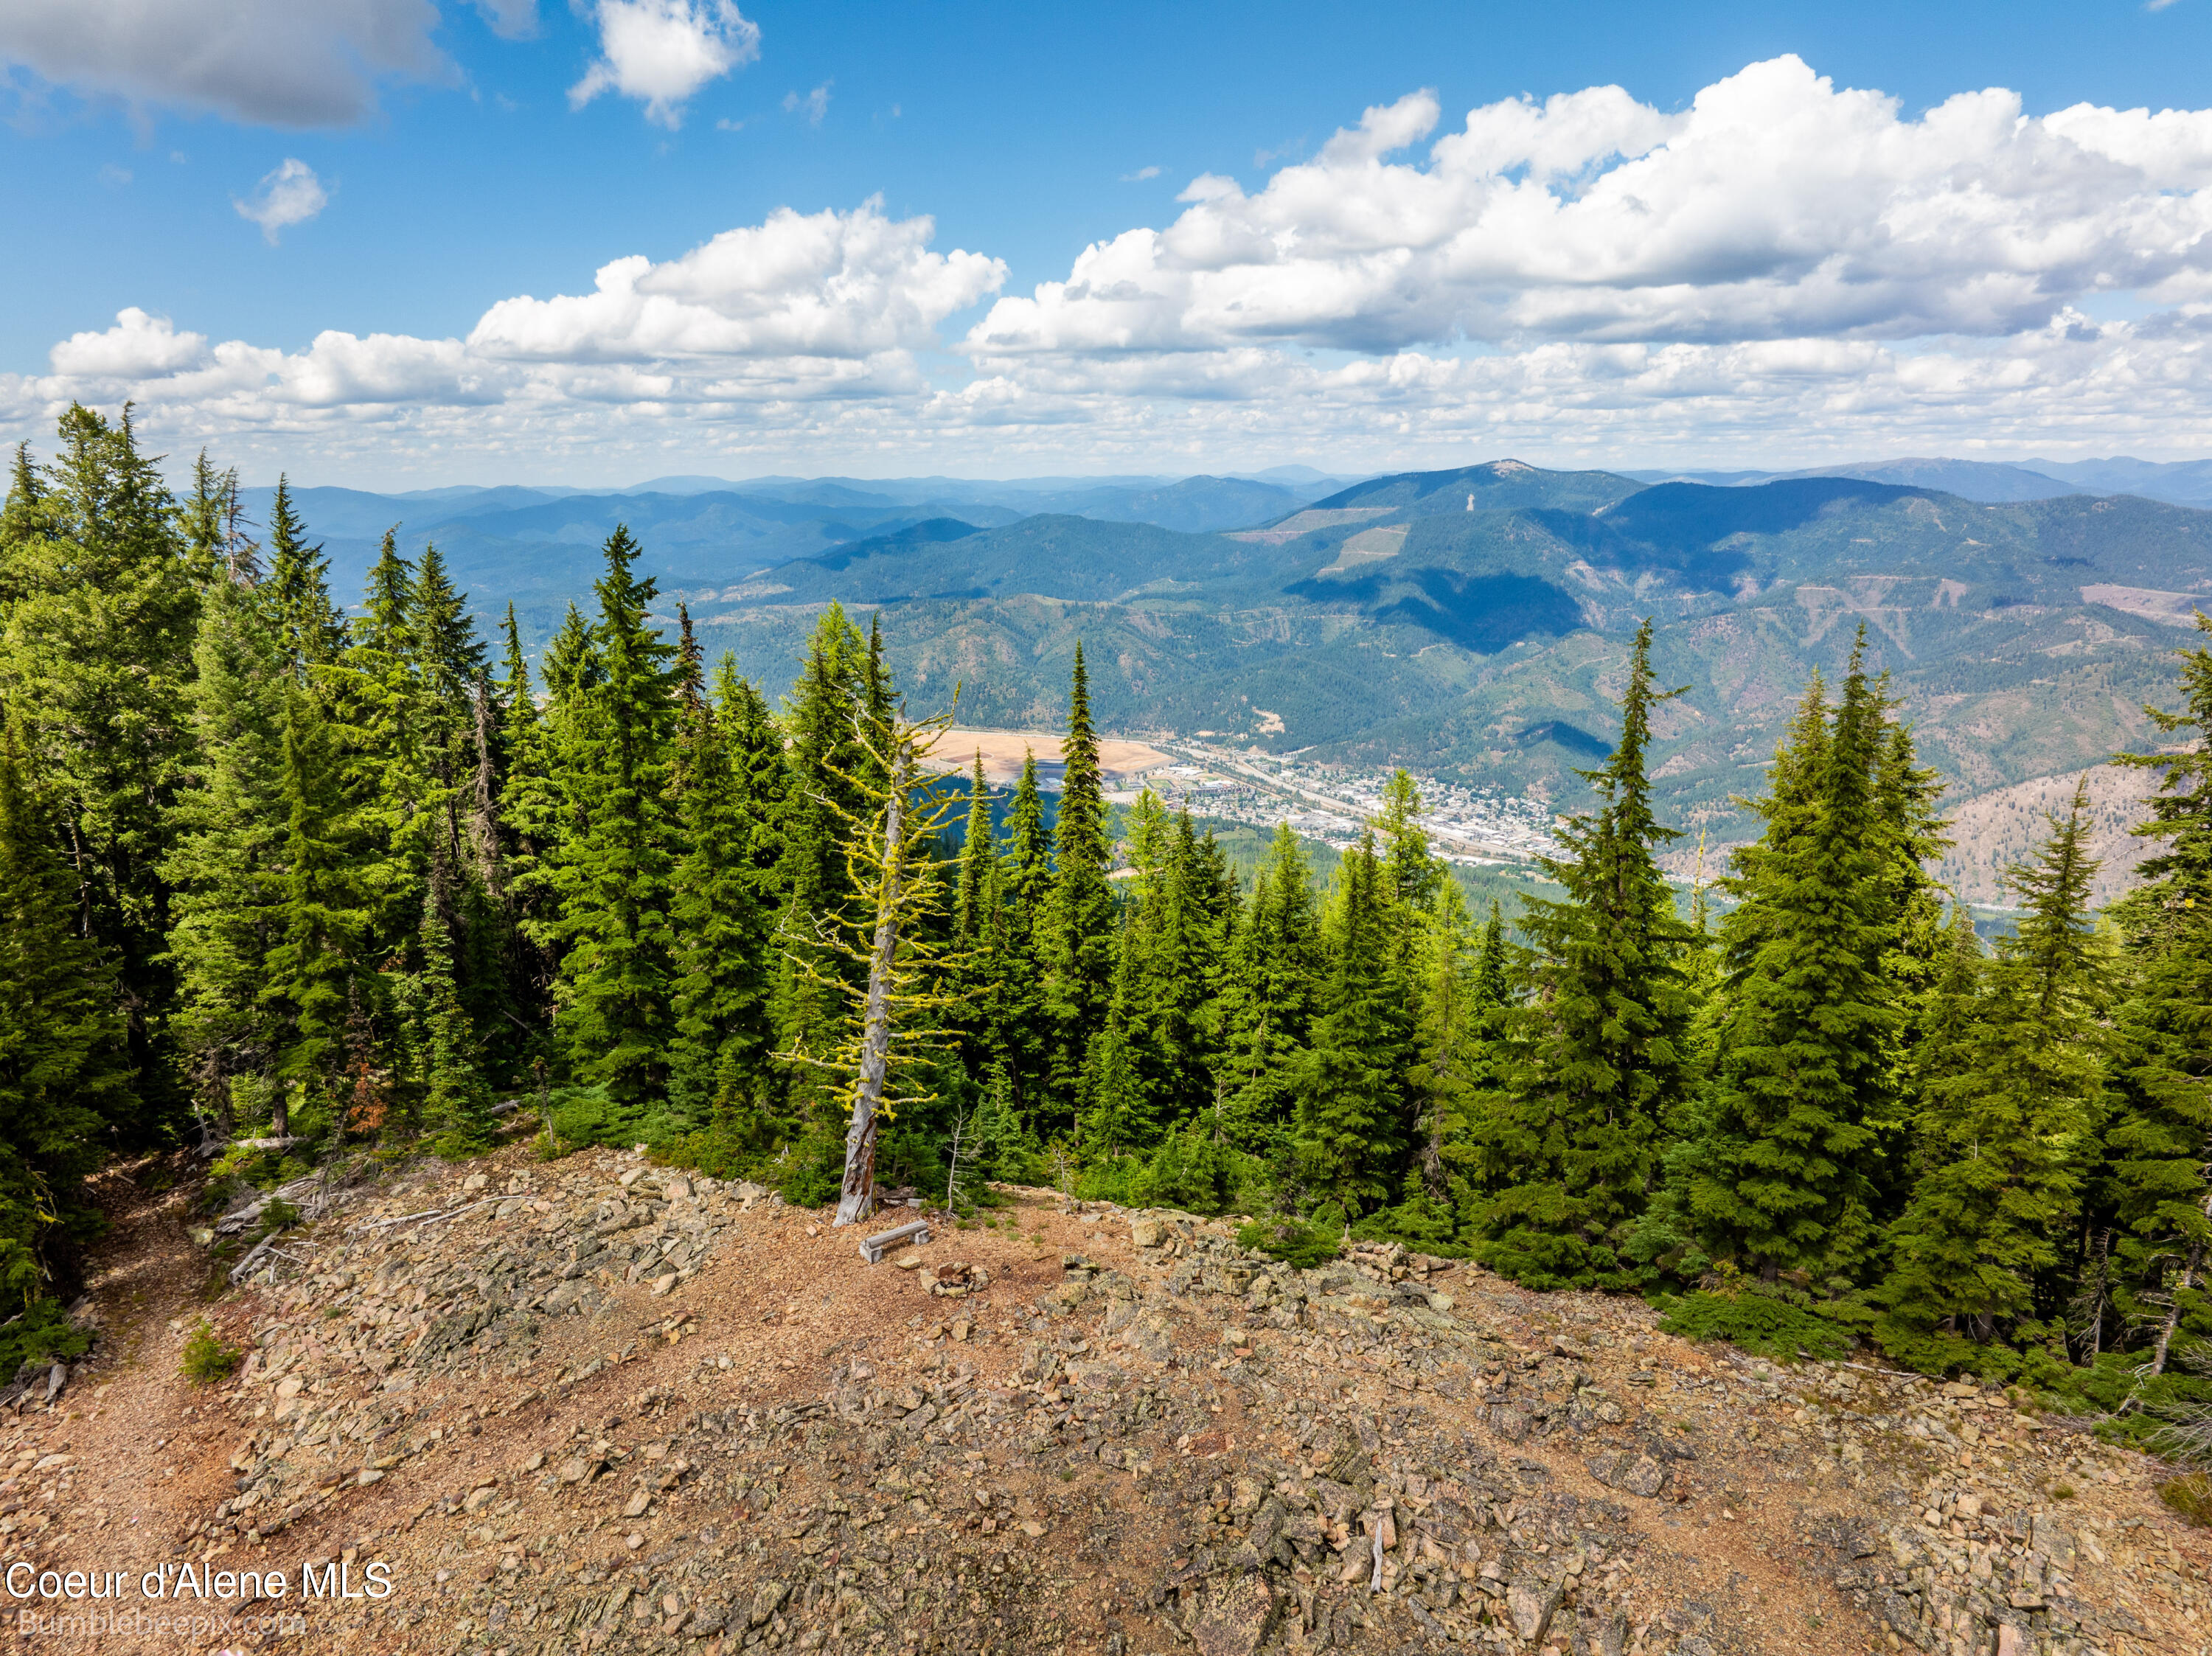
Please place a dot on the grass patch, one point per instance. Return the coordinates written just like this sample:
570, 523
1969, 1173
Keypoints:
2191, 1496
207, 1359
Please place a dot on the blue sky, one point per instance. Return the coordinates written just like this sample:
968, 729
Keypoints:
2057, 315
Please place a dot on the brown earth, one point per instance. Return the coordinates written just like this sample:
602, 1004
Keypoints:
1003, 752
587, 1406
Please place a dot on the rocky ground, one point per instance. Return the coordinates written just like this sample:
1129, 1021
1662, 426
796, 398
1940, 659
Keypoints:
589, 1406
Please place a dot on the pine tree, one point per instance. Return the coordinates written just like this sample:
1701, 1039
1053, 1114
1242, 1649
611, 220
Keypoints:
720, 925
882, 1048
447, 663
1183, 964
382, 705
1077, 932
1019, 1013
207, 520
825, 766
1573, 1144
1351, 1134
2155, 1188
96, 665
1120, 1091
1450, 1039
309, 627
1414, 877
977, 851
64, 1076
1917, 951
529, 813
1786, 1176
614, 876
2008, 1134
229, 831
324, 916
1273, 982
26, 526
456, 1098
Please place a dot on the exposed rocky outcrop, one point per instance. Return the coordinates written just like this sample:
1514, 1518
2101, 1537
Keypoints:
589, 1406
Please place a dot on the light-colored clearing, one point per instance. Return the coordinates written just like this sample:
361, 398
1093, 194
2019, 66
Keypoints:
1004, 750
2174, 609
1993, 831
1306, 522
1368, 546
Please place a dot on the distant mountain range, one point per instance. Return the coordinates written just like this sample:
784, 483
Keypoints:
1473, 622
2180, 482
1470, 621
540, 545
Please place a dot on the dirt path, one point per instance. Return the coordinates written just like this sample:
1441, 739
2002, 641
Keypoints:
120, 1472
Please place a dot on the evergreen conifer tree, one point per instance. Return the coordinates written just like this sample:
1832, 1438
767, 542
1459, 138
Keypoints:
1786, 1176
324, 914
529, 813
825, 768
613, 876
2155, 1184
226, 863
64, 1076
719, 923
96, 666
308, 626
1573, 1144
1077, 929
456, 1099
1020, 1014
2007, 1136
1272, 984
1350, 1124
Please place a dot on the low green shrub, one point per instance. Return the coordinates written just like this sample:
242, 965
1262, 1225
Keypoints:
207, 1359
1763, 1324
42, 1333
1190, 1170
1294, 1241
2191, 1496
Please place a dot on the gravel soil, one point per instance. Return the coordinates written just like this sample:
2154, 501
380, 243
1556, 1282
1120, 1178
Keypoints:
585, 1405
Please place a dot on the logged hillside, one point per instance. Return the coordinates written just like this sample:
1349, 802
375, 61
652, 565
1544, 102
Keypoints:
1473, 622
1998, 831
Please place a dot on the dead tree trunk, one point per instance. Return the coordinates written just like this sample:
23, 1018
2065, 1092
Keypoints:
856, 1201
2190, 1268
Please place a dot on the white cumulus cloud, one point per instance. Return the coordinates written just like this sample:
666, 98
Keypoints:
830, 284
1777, 204
1784, 272
280, 62
138, 347
662, 51
290, 195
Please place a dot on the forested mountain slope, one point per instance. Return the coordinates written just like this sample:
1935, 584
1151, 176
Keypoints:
1392, 622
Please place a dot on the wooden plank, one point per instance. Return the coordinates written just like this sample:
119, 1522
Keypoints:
873, 1248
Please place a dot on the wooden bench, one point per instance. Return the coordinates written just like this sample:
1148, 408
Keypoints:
873, 1248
